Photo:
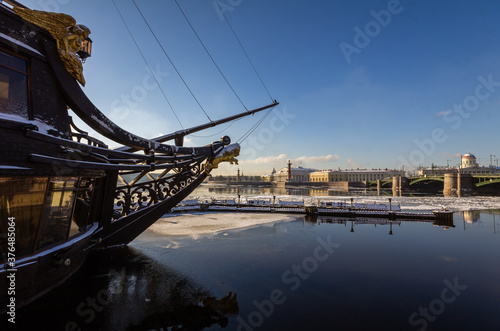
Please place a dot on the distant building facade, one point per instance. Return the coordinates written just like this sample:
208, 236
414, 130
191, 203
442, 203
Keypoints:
469, 165
468, 161
297, 175
436, 171
358, 175
270, 177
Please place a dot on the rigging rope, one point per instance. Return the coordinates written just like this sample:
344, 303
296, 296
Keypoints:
168, 57
218, 133
243, 49
248, 133
147, 64
211, 58
255, 126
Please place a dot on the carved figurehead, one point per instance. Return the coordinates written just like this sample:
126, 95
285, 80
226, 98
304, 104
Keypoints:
228, 154
66, 32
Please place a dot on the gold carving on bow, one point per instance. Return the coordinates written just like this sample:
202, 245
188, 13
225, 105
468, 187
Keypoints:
66, 32
228, 154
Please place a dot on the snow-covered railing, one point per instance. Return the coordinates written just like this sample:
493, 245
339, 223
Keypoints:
293, 203
258, 202
223, 201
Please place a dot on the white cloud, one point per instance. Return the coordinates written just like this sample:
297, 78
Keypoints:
448, 258
352, 163
444, 112
316, 159
283, 159
266, 160
447, 155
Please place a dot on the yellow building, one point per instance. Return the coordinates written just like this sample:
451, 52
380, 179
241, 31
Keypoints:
358, 175
436, 171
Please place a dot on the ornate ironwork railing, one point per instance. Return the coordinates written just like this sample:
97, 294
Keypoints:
131, 198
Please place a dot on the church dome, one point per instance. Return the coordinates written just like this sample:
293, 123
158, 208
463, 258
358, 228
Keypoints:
468, 160
468, 156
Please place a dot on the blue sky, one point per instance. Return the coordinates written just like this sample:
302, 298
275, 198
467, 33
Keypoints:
361, 84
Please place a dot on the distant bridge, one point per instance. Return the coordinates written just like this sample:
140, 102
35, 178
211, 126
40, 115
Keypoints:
478, 180
482, 180
428, 179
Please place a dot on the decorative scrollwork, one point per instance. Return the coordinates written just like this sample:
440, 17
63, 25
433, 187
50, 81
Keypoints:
142, 196
132, 198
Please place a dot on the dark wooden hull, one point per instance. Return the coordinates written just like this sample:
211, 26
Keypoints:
37, 274
75, 176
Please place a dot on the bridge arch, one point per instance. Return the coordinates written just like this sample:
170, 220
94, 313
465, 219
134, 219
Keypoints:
416, 180
491, 181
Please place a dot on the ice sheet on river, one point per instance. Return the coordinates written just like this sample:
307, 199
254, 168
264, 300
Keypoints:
197, 223
435, 203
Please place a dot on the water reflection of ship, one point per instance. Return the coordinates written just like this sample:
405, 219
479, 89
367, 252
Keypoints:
121, 280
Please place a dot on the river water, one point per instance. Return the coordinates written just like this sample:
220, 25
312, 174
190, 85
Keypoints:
255, 271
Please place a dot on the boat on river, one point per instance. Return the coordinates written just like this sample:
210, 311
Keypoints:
62, 192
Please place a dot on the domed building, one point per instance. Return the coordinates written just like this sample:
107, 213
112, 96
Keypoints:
469, 165
468, 160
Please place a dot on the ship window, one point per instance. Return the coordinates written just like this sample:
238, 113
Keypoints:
21, 198
83, 204
67, 210
13, 85
57, 212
